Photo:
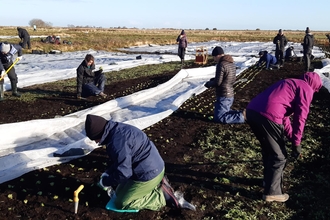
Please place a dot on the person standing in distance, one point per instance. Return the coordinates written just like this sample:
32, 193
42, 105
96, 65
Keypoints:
280, 41
307, 48
182, 45
24, 35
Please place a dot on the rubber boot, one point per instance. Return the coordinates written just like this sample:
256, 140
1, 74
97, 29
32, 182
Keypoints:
2, 93
182, 61
14, 89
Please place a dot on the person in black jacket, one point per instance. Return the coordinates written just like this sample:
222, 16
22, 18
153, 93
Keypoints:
136, 170
182, 41
280, 41
90, 82
225, 76
8, 54
25, 38
307, 48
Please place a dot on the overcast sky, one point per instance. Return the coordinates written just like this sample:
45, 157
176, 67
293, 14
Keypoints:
184, 14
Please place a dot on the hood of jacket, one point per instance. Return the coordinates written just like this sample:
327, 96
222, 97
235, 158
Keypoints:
227, 58
313, 80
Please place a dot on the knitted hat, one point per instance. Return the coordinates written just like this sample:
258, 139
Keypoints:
94, 126
307, 30
5, 48
217, 51
280, 31
261, 53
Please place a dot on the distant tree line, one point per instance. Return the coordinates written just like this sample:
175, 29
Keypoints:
39, 23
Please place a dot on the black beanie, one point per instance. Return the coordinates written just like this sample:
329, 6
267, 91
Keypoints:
94, 126
307, 30
217, 51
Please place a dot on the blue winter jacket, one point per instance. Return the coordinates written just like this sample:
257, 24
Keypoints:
268, 58
132, 154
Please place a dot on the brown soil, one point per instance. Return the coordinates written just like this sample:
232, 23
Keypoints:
182, 128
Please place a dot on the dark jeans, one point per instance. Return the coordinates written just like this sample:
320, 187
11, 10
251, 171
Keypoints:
94, 88
223, 113
307, 61
274, 154
181, 52
279, 54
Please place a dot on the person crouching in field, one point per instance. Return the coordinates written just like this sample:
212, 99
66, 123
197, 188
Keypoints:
225, 76
270, 60
278, 112
137, 169
89, 81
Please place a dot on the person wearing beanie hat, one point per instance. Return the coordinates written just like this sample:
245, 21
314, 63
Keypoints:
24, 35
89, 81
8, 54
280, 41
182, 45
269, 116
137, 170
270, 60
223, 82
307, 44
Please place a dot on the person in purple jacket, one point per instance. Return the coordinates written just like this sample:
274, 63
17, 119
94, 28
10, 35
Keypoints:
270, 60
278, 113
137, 169
182, 45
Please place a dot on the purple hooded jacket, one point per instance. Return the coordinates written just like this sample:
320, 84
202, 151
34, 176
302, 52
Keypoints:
288, 97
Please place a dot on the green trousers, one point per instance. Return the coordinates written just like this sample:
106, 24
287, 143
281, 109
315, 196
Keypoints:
141, 195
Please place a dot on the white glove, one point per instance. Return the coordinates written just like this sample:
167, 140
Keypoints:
101, 183
19, 58
3, 73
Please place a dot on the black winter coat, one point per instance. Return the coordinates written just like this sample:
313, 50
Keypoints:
23, 34
225, 77
280, 41
85, 75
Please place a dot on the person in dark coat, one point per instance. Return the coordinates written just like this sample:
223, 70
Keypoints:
289, 53
270, 60
225, 76
89, 81
8, 54
182, 45
307, 48
280, 41
137, 169
278, 114
25, 37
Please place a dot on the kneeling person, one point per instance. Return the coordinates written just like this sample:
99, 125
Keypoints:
137, 169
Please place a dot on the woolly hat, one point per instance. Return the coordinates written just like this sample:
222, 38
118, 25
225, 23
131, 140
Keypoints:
5, 48
94, 126
261, 53
307, 30
280, 31
217, 51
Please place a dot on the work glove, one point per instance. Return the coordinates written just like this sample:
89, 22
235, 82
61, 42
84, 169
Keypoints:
207, 84
296, 151
101, 181
3, 73
19, 58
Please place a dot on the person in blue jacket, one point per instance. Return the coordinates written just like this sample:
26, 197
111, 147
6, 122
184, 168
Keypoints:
270, 60
137, 169
8, 54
